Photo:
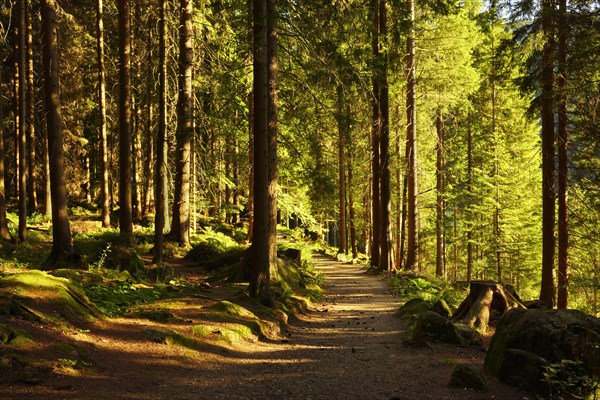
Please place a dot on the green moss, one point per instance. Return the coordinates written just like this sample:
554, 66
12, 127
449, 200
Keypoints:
47, 298
232, 333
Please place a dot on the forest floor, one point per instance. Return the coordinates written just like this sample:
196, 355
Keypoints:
347, 347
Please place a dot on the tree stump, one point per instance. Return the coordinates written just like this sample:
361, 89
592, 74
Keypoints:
486, 303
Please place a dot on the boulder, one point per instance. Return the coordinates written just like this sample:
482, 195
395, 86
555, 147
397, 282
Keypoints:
430, 326
540, 350
468, 376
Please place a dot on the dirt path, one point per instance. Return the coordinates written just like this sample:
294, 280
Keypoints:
349, 347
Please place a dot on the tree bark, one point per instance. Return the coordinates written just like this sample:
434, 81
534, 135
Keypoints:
4, 232
180, 228
563, 160
104, 191
342, 133
125, 192
160, 165
440, 260
548, 292
272, 72
351, 211
260, 286
375, 147
62, 243
31, 159
412, 256
469, 200
22, 131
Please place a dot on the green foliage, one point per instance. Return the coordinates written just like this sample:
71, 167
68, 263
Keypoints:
115, 298
568, 379
413, 287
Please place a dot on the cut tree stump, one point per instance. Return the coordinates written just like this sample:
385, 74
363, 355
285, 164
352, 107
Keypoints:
486, 303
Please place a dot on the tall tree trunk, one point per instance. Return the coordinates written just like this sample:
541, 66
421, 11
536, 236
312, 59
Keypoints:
412, 256
46, 157
399, 199
375, 156
125, 202
272, 72
440, 260
62, 243
22, 132
342, 133
385, 237
4, 232
160, 165
104, 191
261, 260
469, 200
181, 205
251, 164
547, 292
31, 161
563, 159
351, 211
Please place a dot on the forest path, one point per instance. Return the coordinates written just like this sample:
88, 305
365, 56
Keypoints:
349, 347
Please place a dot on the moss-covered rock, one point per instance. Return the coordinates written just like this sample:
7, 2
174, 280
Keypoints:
46, 298
430, 326
528, 342
469, 377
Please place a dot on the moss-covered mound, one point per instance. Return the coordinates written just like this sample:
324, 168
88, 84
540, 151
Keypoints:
46, 298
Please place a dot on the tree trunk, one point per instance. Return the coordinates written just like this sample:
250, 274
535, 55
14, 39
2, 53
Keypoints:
412, 256
563, 160
342, 133
31, 161
125, 202
547, 293
386, 261
351, 213
440, 260
160, 165
46, 157
22, 132
4, 232
486, 303
469, 201
272, 73
180, 228
104, 191
375, 147
251, 164
260, 286
62, 243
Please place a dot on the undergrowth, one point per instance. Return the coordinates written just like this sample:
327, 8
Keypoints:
409, 286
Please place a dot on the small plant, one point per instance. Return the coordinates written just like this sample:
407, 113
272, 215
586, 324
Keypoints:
100, 263
568, 379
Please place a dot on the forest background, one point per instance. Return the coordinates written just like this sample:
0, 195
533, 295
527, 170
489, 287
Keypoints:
441, 137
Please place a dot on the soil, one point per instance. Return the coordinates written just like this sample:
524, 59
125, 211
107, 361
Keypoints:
347, 347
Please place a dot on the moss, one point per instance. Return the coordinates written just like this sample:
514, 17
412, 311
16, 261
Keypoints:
232, 333
47, 298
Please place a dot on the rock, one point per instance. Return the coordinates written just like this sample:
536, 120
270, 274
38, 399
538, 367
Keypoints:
467, 376
430, 326
542, 350
413, 307
442, 308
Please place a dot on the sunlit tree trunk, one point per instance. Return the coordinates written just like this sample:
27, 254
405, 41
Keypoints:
342, 127
180, 229
104, 191
440, 260
385, 237
412, 251
160, 165
260, 286
22, 129
375, 135
62, 243
272, 73
563, 159
351, 211
548, 292
125, 202
31, 159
